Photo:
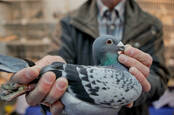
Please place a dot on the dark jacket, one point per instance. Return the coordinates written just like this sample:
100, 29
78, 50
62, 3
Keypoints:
141, 30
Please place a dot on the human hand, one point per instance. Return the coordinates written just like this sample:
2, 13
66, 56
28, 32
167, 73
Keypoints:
139, 64
48, 90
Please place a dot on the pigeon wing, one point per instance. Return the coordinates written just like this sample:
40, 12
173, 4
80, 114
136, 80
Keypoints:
11, 64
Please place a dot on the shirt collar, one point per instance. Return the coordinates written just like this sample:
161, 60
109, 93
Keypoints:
120, 7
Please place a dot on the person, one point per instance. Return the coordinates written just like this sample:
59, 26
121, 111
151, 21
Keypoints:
121, 18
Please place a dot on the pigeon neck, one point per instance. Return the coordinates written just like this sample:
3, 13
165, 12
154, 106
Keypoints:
109, 59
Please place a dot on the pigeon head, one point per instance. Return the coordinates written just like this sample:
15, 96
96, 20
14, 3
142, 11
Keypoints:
106, 47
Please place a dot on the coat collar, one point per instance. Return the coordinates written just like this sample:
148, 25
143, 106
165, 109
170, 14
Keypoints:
85, 19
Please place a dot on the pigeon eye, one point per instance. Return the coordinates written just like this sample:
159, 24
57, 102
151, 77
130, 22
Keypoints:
109, 42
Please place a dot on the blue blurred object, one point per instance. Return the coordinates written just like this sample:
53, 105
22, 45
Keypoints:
161, 111
152, 111
35, 110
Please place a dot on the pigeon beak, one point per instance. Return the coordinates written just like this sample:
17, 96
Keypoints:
121, 46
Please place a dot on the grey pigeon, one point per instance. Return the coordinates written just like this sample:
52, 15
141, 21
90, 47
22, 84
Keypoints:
108, 85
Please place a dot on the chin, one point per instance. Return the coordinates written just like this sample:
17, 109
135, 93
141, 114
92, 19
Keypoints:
116, 1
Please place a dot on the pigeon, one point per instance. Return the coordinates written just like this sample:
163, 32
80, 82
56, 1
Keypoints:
94, 90
108, 84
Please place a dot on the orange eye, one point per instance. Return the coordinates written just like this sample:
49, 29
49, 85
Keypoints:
109, 42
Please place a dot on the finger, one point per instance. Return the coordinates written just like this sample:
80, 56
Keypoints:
144, 58
130, 105
49, 60
56, 108
57, 90
131, 62
43, 87
26, 75
140, 77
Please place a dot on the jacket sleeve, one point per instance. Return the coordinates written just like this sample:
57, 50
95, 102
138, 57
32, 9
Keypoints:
66, 42
159, 74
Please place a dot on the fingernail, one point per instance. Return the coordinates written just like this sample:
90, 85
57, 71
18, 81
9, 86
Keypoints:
48, 78
130, 105
132, 69
61, 84
148, 88
123, 58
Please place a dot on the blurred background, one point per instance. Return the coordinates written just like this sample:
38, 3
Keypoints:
27, 26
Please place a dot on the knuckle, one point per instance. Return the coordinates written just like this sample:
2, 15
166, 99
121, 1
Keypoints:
124, 59
146, 86
150, 59
147, 71
23, 76
47, 57
128, 47
48, 78
130, 51
51, 59
60, 59
149, 87
59, 90
141, 79
133, 70
133, 62
136, 73
139, 76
